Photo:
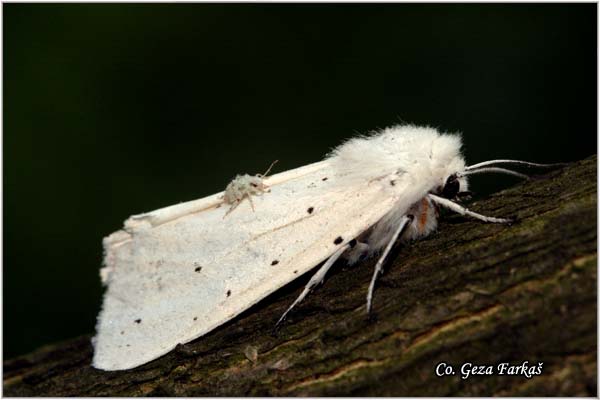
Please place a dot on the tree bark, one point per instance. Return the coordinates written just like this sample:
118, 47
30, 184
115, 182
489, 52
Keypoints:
471, 293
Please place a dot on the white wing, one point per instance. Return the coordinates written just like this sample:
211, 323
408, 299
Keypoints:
179, 272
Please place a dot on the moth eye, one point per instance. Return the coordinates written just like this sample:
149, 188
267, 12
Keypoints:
451, 188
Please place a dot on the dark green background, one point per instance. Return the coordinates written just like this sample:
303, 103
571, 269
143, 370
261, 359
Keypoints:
112, 110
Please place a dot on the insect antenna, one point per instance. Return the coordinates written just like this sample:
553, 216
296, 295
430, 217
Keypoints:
519, 162
492, 169
491, 166
268, 170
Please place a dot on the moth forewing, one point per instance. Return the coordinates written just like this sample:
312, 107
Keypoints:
192, 270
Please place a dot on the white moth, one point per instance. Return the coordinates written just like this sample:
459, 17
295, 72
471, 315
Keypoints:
179, 272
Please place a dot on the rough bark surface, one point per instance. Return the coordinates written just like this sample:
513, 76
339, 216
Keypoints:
472, 292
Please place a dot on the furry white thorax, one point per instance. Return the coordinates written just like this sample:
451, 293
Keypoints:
421, 153
415, 156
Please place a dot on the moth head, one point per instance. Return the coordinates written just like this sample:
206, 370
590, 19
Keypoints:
454, 188
252, 185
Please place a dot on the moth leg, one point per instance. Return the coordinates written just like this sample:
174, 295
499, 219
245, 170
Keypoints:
457, 208
316, 279
233, 207
237, 203
249, 196
379, 266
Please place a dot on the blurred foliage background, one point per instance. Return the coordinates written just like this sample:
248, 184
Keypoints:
117, 109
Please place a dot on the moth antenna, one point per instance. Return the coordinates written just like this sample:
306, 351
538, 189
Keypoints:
493, 169
379, 266
269, 169
316, 279
526, 163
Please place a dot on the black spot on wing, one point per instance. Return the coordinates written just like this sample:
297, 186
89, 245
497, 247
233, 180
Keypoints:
138, 321
352, 243
310, 210
274, 262
338, 240
228, 293
324, 179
